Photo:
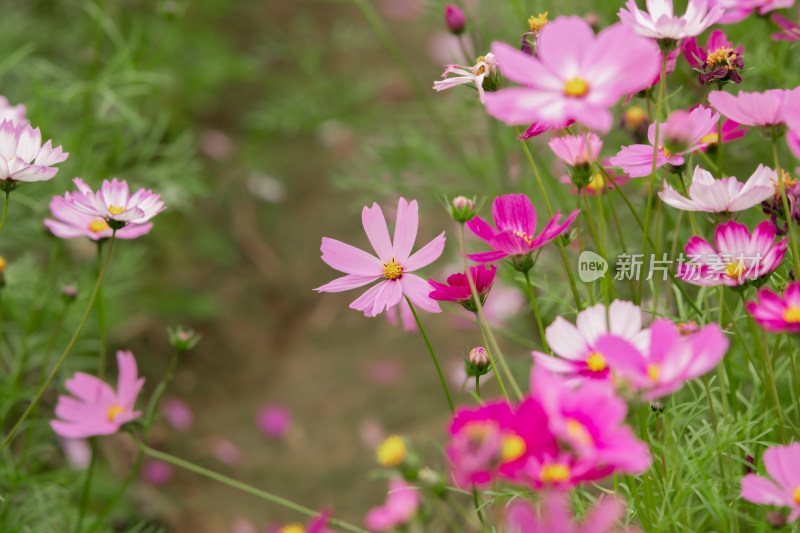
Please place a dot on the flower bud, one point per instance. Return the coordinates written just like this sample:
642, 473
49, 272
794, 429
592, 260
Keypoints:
182, 340
657, 408
477, 363
455, 19
776, 519
69, 293
462, 209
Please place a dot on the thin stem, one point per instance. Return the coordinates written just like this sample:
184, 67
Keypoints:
63, 356
491, 358
433, 355
5, 211
532, 298
87, 484
199, 470
478, 386
787, 212
101, 316
719, 148
476, 501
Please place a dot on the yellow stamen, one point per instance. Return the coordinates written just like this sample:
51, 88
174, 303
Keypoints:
597, 184
513, 448
788, 181
114, 411
665, 151
555, 472
578, 432
98, 225
709, 138
792, 315
116, 210
392, 270
635, 116
796, 495
576, 87
653, 372
538, 21
596, 362
734, 270
392, 451
524, 236
293, 528
721, 57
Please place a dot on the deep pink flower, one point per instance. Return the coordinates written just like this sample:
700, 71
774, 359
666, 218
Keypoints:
670, 360
400, 507
457, 289
22, 156
178, 414
777, 313
724, 195
575, 150
114, 203
574, 76
70, 223
515, 218
738, 10
578, 359
156, 472
682, 133
392, 265
717, 59
660, 21
555, 516
783, 466
97, 409
12, 113
738, 258
766, 109
483, 76
274, 421
455, 19
791, 30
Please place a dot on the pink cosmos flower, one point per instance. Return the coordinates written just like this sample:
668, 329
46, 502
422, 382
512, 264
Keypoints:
764, 109
574, 76
114, 203
457, 289
70, 223
274, 421
22, 156
738, 10
178, 414
454, 19
97, 409
515, 218
392, 265
575, 150
717, 59
790, 30
670, 360
682, 133
400, 507
738, 258
783, 466
555, 516
660, 22
725, 195
578, 359
485, 70
777, 313
12, 113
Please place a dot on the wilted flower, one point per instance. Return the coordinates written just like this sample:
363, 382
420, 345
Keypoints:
22, 156
775, 312
717, 61
483, 76
660, 21
529, 37
724, 195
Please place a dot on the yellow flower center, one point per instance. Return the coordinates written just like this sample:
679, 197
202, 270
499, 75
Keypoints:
392, 270
653, 372
2, 265
788, 181
796, 495
722, 57
555, 472
634, 116
392, 451
597, 184
116, 210
578, 432
734, 270
538, 21
576, 87
709, 138
792, 315
664, 150
524, 236
114, 411
596, 362
98, 225
293, 528
513, 448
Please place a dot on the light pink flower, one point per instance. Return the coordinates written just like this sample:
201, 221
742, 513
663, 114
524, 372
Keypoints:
274, 421
97, 409
738, 10
77, 452
682, 133
486, 66
764, 109
114, 203
725, 195
777, 313
400, 507
555, 516
783, 466
70, 223
739, 257
12, 113
578, 359
227, 452
401, 314
22, 156
670, 360
393, 264
574, 76
790, 30
178, 414
575, 150
660, 21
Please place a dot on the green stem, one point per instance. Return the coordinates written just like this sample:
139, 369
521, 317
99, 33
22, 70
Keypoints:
5, 212
66, 351
199, 470
491, 359
719, 148
87, 484
433, 355
101, 316
532, 298
478, 386
787, 212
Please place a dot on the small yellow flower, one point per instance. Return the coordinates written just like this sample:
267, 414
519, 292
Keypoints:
392, 451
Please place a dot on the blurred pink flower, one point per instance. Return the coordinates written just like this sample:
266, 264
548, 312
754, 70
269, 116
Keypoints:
660, 21
454, 19
724, 195
243, 525
555, 516
790, 30
765, 109
777, 313
400, 507
12, 113
178, 414
227, 452
78, 452
156, 472
402, 9
738, 10
783, 466
216, 145
114, 203
97, 409
575, 150
574, 76
274, 421
383, 372
392, 266
22, 156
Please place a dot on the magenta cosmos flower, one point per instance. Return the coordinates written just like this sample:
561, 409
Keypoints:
575, 75
670, 360
777, 313
738, 10
766, 110
578, 360
682, 133
515, 218
660, 21
738, 258
485, 70
274, 421
725, 195
457, 289
96, 408
400, 507
12, 113
22, 156
114, 204
70, 223
783, 466
555, 516
718, 60
392, 266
